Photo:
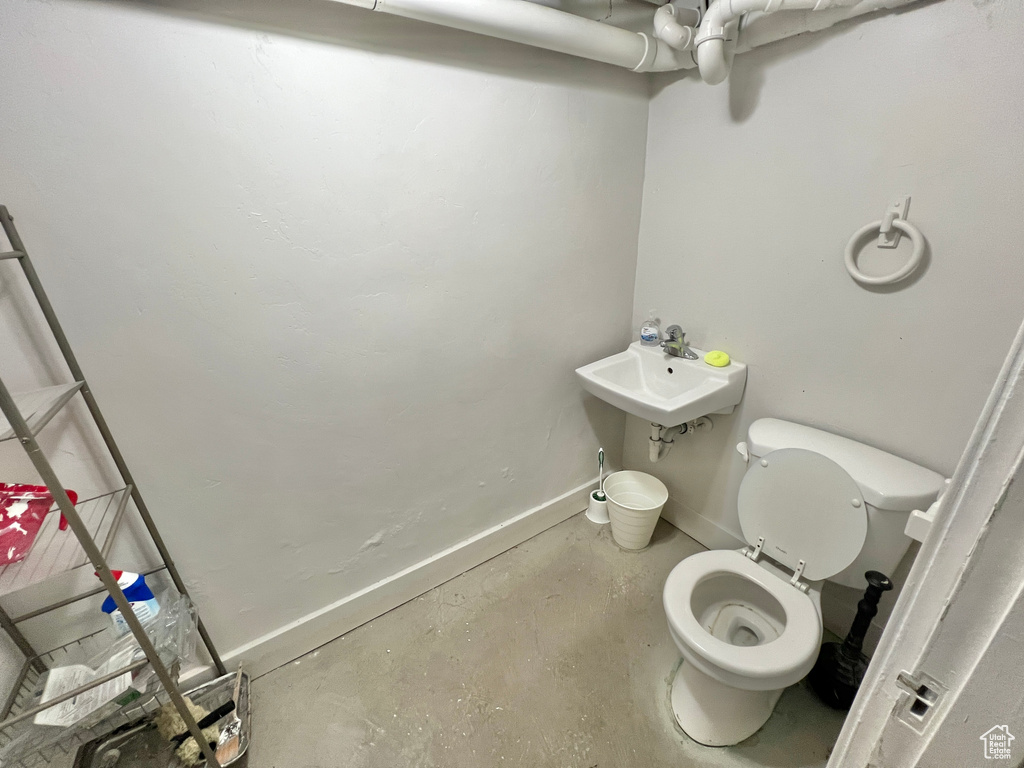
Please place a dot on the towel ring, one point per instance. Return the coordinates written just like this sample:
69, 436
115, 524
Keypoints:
876, 226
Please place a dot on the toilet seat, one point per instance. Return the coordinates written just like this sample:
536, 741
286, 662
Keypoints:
776, 664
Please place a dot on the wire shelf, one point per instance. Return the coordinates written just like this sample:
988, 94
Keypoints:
69, 653
38, 406
27, 745
23, 698
55, 551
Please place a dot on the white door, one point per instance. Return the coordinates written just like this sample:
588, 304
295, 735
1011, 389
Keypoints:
946, 686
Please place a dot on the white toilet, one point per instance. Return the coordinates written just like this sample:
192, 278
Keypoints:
813, 506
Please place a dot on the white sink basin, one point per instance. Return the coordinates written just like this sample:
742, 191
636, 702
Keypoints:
667, 390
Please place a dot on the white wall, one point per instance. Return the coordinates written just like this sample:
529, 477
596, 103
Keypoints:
753, 189
330, 282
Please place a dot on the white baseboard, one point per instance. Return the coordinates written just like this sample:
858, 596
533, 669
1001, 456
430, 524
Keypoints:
314, 629
699, 528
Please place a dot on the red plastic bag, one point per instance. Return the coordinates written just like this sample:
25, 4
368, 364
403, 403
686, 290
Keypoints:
22, 511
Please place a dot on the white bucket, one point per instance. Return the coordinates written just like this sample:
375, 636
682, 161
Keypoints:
635, 500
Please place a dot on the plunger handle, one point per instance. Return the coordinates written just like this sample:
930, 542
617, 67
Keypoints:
867, 609
878, 582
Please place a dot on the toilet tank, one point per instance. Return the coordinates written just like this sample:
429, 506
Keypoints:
892, 488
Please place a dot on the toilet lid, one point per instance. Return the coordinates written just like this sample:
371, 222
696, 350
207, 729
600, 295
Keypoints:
807, 508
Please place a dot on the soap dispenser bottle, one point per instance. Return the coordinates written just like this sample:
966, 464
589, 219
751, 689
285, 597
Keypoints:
650, 333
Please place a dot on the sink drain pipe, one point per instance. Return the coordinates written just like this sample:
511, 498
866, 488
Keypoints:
663, 438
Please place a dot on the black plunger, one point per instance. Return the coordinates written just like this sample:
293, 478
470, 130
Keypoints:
840, 667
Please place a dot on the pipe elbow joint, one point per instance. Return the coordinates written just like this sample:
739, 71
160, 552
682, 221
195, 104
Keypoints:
714, 59
669, 30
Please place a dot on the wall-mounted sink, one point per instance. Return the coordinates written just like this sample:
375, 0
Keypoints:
667, 390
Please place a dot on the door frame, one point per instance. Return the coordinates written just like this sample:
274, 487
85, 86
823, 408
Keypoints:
931, 676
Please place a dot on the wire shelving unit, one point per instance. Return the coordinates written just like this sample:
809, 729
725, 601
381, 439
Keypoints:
94, 524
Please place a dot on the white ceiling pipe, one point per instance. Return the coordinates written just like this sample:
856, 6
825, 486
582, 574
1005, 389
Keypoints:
543, 27
714, 54
758, 29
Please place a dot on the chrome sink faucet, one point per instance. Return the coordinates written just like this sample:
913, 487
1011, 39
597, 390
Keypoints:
676, 344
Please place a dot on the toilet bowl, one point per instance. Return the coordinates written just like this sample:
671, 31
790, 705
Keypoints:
745, 635
748, 622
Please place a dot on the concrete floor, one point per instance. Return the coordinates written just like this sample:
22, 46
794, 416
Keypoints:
553, 654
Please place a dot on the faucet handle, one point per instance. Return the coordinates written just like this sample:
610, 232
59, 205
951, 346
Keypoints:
675, 333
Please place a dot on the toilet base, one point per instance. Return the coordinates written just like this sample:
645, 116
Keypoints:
715, 714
